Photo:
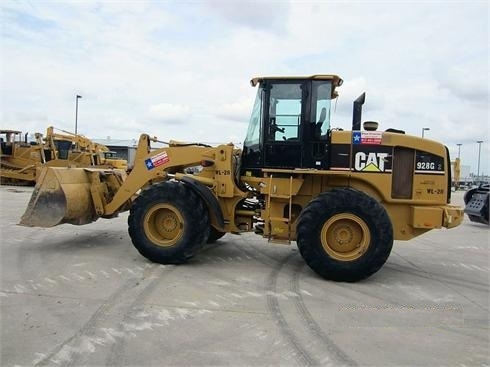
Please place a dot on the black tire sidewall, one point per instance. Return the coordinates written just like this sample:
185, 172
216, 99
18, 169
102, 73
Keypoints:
195, 227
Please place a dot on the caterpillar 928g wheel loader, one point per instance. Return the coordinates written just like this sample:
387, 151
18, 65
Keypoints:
343, 196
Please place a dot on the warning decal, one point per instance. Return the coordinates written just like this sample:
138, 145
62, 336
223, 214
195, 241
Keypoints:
158, 160
367, 137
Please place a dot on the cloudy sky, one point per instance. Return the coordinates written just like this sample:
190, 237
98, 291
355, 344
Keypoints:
181, 69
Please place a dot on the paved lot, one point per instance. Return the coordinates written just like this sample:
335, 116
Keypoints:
84, 296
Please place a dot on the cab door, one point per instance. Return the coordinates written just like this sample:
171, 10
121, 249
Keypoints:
284, 116
317, 128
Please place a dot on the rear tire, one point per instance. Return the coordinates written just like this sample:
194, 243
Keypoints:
344, 235
168, 223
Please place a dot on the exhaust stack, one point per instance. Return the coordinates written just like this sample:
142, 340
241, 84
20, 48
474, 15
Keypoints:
357, 112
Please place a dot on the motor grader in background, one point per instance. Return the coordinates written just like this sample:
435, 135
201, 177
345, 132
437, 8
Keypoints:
20, 159
343, 196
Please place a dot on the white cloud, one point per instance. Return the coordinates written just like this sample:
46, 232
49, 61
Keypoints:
181, 70
235, 111
171, 113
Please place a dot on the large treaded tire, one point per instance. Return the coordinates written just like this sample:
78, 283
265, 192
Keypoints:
353, 219
168, 223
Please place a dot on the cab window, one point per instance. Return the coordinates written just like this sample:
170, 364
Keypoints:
320, 106
284, 112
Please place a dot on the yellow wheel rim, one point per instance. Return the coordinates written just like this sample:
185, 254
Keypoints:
164, 225
345, 237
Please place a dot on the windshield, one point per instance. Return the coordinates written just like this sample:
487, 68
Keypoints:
253, 133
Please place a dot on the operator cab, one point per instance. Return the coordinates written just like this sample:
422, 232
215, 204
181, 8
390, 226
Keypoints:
290, 123
8, 139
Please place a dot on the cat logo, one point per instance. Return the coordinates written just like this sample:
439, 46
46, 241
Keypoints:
370, 162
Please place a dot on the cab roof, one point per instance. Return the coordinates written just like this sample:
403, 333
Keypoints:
336, 80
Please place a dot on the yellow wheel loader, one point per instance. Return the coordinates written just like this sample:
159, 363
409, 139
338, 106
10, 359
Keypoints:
20, 159
80, 151
343, 196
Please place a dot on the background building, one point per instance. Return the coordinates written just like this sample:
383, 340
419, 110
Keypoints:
125, 149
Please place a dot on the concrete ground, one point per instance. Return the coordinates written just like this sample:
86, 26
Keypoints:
84, 296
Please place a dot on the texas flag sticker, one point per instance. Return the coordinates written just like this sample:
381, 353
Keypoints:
356, 137
157, 160
367, 137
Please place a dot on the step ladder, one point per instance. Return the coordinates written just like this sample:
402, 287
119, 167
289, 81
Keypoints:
273, 237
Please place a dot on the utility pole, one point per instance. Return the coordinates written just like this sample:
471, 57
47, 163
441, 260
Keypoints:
459, 149
424, 129
76, 114
479, 151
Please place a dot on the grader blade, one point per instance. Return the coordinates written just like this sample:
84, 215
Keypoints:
64, 195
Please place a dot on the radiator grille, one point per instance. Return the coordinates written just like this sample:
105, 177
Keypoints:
403, 169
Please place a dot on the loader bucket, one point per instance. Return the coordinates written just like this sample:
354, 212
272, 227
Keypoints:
61, 195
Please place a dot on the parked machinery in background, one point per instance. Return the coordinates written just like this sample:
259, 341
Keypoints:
20, 159
476, 203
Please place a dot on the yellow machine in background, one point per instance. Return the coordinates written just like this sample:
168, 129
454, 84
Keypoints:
456, 172
20, 159
81, 150
343, 196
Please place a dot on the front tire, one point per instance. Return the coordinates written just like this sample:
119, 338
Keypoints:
344, 235
168, 223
